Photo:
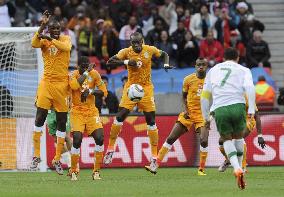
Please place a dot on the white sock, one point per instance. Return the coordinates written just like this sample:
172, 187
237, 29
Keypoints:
239, 144
66, 158
231, 152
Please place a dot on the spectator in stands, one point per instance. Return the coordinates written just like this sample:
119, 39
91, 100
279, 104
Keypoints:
79, 20
108, 45
244, 20
120, 11
7, 13
258, 52
178, 39
186, 19
154, 34
24, 14
166, 45
92, 10
126, 31
211, 49
224, 25
100, 26
236, 42
194, 6
168, 13
179, 11
70, 9
265, 94
119, 91
190, 51
57, 13
6, 102
201, 22
109, 104
69, 32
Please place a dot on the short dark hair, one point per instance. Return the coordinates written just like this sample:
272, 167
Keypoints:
104, 78
231, 54
136, 34
261, 78
83, 60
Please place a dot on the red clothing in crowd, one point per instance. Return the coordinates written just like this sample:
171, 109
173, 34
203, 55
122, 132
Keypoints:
213, 51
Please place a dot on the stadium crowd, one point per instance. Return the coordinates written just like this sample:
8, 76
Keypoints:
184, 29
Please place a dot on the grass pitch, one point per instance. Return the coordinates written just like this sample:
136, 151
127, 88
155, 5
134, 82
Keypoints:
173, 182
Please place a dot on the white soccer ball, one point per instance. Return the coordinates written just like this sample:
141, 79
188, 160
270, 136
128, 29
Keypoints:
135, 92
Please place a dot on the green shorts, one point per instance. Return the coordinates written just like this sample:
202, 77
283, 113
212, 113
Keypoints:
230, 119
52, 125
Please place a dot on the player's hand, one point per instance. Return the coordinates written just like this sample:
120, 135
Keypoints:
132, 63
45, 18
167, 67
84, 95
186, 115
91, 66
261, 142
42, 36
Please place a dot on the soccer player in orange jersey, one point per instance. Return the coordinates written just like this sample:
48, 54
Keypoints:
192, 88
137, 58
251, 124
84, 115
53, 89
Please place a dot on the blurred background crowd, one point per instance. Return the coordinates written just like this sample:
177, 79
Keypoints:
185, 29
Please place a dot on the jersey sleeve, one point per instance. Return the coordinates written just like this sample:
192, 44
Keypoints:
122, 54
64, 44
73, 82
156, 52
99, 82
185, 85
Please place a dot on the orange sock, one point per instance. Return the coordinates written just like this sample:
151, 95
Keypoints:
154, 137
59, 148
98, 161
74, 162
162, 153
203, 157
36, 140
222, 150
114, 132
244, 163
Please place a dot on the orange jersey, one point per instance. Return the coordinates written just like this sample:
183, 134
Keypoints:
141, 74
193, 86
56, 57
92, 81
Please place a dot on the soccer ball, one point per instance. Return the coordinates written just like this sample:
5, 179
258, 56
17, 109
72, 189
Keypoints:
135, 92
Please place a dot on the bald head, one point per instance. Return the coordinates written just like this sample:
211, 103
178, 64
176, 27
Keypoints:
136, 41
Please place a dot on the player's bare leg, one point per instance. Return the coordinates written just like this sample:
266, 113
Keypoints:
152, 132
244, 162
61, 119
41, 115
114, 132
177, 131
203, 136
98, 136
75, 155
65, 154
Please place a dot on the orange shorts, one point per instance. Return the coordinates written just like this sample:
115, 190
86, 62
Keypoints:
53, 94
84, 123
147, 103
197, 121
250, 124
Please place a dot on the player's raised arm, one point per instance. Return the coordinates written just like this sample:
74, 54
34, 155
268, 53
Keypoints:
102, 90
36, 43
64, 45
250, 91
206, 98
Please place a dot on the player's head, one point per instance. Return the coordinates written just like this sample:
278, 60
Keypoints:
105, 80
231, 54
83, 64
136, 41
54, 28
201, 65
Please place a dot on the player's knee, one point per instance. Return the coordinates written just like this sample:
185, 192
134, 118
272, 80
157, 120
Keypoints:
204, 143
99, 140
77, 139
221, 142
39, 121
119, 119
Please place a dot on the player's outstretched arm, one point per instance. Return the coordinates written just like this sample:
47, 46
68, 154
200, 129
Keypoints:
115, 61
166, 59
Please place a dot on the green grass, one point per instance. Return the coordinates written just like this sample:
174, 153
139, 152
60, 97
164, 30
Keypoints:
262, 182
